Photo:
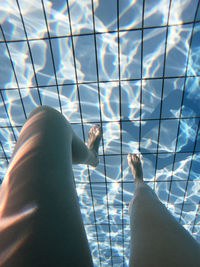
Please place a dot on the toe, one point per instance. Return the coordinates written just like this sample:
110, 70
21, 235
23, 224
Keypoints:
136, 158
97, 129
129, 158
133, 159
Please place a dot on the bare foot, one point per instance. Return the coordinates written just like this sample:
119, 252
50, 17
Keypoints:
94, 138
136, 166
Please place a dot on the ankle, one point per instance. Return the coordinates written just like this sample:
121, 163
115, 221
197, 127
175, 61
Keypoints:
93, 158
138, 180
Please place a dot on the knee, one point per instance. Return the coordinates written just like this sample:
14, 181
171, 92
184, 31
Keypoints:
48, 113
46, 117
44, 109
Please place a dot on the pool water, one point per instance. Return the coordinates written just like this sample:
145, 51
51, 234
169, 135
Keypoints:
132, 67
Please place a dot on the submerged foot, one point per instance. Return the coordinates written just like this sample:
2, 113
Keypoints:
136, 166
94, 138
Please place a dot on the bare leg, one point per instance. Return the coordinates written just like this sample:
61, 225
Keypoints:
157, 239
87, 154
40, 219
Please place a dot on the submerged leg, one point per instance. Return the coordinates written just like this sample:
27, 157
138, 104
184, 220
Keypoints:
87, 154
157, 239
40, 219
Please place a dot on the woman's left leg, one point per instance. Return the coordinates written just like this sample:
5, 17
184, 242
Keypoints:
157, 239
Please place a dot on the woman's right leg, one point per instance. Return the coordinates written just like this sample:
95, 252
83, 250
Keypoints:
157, 239
40, 219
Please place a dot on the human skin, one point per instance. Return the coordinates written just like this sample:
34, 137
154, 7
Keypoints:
40, 219
157, 239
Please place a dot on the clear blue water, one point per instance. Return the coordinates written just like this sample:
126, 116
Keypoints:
119, 64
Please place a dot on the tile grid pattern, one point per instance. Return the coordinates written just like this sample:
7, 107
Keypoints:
102, 257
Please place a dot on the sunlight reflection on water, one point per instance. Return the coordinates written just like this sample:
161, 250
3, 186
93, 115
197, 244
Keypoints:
61, 69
